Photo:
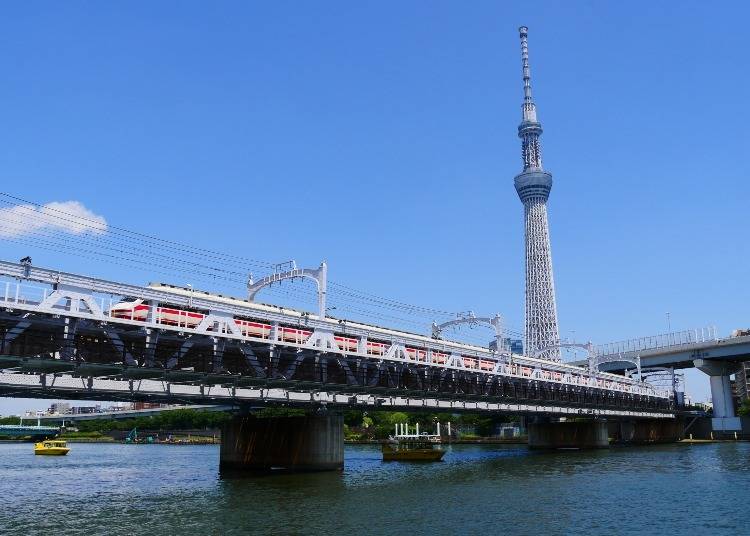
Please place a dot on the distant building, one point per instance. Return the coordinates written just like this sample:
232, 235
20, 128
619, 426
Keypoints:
514, 345
85, 410
120, 407
60, 408
146, 405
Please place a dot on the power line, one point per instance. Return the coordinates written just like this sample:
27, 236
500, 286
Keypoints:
95, 225
131, 249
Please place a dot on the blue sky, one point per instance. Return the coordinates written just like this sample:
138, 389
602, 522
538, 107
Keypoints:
381, 136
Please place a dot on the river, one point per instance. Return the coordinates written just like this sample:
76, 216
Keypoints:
164, 490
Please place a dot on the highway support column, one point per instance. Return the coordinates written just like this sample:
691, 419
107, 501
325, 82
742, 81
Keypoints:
724, 419
283, 444
578, 434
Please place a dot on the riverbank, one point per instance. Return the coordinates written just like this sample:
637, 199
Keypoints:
707, 441
523, 440
103, 439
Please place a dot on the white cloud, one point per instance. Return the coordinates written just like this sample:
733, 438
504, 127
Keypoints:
67, 217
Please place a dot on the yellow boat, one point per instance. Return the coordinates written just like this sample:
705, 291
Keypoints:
51, 447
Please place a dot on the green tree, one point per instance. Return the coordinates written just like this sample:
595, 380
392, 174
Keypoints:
180, 419
10, 420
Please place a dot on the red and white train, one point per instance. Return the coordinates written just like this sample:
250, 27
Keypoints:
138, 309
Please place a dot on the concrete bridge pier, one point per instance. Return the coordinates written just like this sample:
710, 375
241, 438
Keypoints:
590, 434
647, 431
724, 419
285, 444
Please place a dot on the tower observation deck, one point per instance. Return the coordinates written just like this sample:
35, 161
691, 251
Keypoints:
533, 185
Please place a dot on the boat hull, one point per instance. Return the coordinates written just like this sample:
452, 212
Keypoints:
412, 455
52, 452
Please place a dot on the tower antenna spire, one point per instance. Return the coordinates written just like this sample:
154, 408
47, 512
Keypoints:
533, 185
529, 109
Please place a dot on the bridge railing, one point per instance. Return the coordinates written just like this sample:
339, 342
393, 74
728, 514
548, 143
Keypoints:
655, 342
30, 294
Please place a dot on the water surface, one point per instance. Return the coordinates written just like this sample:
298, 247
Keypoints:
163, 489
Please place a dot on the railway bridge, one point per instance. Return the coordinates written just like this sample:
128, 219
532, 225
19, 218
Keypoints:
65, 335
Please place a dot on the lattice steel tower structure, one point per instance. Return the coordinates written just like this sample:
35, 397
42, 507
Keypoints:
533, 185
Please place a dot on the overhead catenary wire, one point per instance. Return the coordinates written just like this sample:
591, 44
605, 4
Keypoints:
290, 292
179, 246
240, 261
126, 248
113, 238
134, 250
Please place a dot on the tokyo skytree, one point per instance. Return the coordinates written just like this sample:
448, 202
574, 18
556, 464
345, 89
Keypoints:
533, 185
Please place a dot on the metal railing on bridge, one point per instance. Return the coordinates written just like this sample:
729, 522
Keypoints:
656, 342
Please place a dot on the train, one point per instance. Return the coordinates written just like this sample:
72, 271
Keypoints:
138, 309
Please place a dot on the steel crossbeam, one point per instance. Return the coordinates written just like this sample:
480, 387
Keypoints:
107, 389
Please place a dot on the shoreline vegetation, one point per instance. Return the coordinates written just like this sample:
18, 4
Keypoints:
359, 426
188, 425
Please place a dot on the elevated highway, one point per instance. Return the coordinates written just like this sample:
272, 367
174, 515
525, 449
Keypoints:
676, 350
702, 349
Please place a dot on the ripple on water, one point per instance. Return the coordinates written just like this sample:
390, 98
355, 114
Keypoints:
157, 489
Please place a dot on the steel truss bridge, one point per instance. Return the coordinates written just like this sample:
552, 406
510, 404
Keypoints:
59, 338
